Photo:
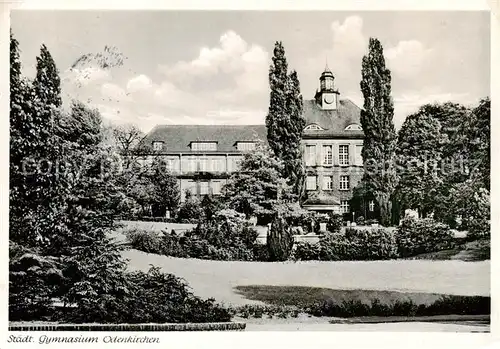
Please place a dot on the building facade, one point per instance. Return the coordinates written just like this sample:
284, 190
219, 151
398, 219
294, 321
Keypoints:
204, 156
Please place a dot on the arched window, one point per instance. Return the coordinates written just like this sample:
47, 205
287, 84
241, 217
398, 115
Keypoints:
353, 127
313, 127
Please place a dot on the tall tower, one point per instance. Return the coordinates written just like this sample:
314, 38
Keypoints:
327, 96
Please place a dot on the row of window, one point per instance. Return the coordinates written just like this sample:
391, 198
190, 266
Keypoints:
344, 182
208, 146
327, 155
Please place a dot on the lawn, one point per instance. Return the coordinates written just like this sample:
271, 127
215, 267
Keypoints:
221, 280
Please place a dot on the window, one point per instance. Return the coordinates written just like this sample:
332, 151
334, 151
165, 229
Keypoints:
245, 146
353, 127
157, 145
206, 146
344, 182
218, 164
311, 183
344, 206
327, 155
310, 155
343, 155
203, 164
358, 155
371, 206
216, 187
327, 183
189, 164
313, 127
204, 188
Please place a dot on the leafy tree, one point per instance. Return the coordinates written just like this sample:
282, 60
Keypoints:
128, 141
279, 239
285, 120
377, 122
190, 209
165, 193
419, 156
258, 187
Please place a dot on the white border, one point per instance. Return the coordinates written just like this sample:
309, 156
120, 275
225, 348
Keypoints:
267, 339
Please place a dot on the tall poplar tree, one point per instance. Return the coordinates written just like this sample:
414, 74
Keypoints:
285, 121
47, 82
378, 126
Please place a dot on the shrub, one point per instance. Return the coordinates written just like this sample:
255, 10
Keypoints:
371, 221
148, 297
360, 220
279, 240
372, 244
190, 210
358, 244
334, 223
416, 236
144, 240
305, 251
260, 253
446, 305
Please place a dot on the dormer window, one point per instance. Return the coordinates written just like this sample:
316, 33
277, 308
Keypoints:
204, 146
353, 127
313, 127
245, 146
157, 145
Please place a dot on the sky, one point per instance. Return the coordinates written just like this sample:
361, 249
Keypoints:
211, 67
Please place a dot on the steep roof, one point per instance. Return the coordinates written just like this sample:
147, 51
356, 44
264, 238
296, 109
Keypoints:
177, 138
337, 120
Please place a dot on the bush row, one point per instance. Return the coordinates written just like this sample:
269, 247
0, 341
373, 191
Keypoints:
413, 237
225, 237
446, 305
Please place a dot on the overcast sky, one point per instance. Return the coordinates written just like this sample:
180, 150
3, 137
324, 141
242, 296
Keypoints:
212, 67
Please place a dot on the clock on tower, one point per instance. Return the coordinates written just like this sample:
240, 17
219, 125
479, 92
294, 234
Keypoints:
326, 96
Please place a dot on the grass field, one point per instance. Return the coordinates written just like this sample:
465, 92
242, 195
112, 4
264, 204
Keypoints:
219, 279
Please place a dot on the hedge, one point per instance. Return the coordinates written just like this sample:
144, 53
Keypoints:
416, 236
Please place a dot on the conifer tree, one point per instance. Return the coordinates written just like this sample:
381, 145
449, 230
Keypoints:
47, 83
285, 120
378, 126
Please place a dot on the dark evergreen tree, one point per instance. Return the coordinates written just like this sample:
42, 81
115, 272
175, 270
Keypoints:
294, 170
279, 240
285, 120
380, 135
277, 116
47, 83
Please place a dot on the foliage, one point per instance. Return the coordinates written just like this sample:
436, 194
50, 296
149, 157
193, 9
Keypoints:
305, 251
380, 135
446, 305
227, 236
32, 281
419, 154
148, 297
61, 211
190, 210
415, 236
279, 240
258, 187
285, 121
47, 83
334, 223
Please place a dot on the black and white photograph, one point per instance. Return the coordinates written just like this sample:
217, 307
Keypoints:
237, 170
